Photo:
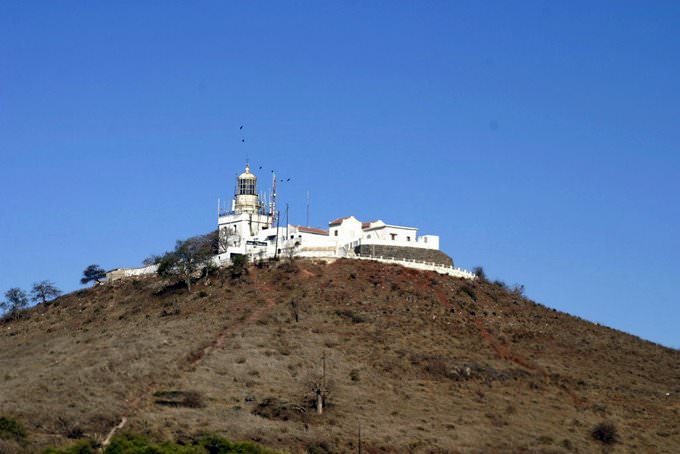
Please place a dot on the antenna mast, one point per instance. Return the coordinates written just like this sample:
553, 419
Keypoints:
272, 202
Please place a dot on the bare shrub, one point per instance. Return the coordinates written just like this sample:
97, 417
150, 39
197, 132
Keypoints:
70, 429
351, 315
605, 432
318, 392
185, 399
469, 291
354, 375
276, 409
479, 272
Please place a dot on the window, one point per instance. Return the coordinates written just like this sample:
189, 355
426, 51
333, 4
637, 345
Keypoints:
246, 186
368, 236
335, 232
394, 236
408, 238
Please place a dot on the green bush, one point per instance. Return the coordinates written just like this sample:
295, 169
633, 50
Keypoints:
136, 444
11, 429
82, 447
239, 265
213, 444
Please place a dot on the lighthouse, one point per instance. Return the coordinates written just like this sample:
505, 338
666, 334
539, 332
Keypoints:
248, 216
246, 199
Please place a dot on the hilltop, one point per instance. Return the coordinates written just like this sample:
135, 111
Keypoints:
417, 361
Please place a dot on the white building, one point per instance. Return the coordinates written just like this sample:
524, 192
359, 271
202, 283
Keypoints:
250, 228
350, 229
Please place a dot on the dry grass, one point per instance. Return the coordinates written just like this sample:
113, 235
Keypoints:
417, 361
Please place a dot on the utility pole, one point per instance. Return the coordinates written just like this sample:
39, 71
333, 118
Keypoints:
276, 245
286, 221
322, 388
359, 437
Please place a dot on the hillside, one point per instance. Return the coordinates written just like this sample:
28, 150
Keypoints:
418, 361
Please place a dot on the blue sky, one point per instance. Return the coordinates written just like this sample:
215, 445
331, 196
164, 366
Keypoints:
539, 139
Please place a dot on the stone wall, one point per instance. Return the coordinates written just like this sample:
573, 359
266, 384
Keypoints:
404, 252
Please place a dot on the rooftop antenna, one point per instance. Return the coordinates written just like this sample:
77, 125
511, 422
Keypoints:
272, 202
307, 209
243, 141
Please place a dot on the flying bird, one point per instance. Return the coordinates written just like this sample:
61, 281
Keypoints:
260, 167
288, 179
241, 127
243, 140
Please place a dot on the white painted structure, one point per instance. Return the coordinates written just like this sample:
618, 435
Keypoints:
248, 215
251, 228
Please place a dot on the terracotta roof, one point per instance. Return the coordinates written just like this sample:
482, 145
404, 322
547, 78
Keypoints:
312, 230
365, 225
338, 221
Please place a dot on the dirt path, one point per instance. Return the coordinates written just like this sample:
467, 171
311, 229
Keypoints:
195, 358
113, 431
264, 290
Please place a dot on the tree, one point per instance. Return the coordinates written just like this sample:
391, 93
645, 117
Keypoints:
153, 259
319, 388
479, 272
239, 265
189, 257
43, 291
16, 301
93, 273
227, 237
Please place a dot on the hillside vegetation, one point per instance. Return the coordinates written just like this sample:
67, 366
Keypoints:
414, 362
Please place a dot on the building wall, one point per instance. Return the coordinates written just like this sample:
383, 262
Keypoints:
349, 230
307, 239
403, 252
245, 225
429, 241
392, 233
120, 273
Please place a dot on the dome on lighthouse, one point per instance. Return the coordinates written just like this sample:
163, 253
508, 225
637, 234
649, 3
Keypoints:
246, 183
247, 175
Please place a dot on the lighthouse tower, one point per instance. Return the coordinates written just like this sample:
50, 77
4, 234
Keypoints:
247, 218
246, 199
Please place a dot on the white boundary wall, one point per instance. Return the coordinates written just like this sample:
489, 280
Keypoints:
120, 273
319, 253
425, 266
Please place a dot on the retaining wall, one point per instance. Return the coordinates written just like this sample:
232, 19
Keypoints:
404, 253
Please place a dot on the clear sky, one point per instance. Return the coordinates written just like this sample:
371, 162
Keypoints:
541, 140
